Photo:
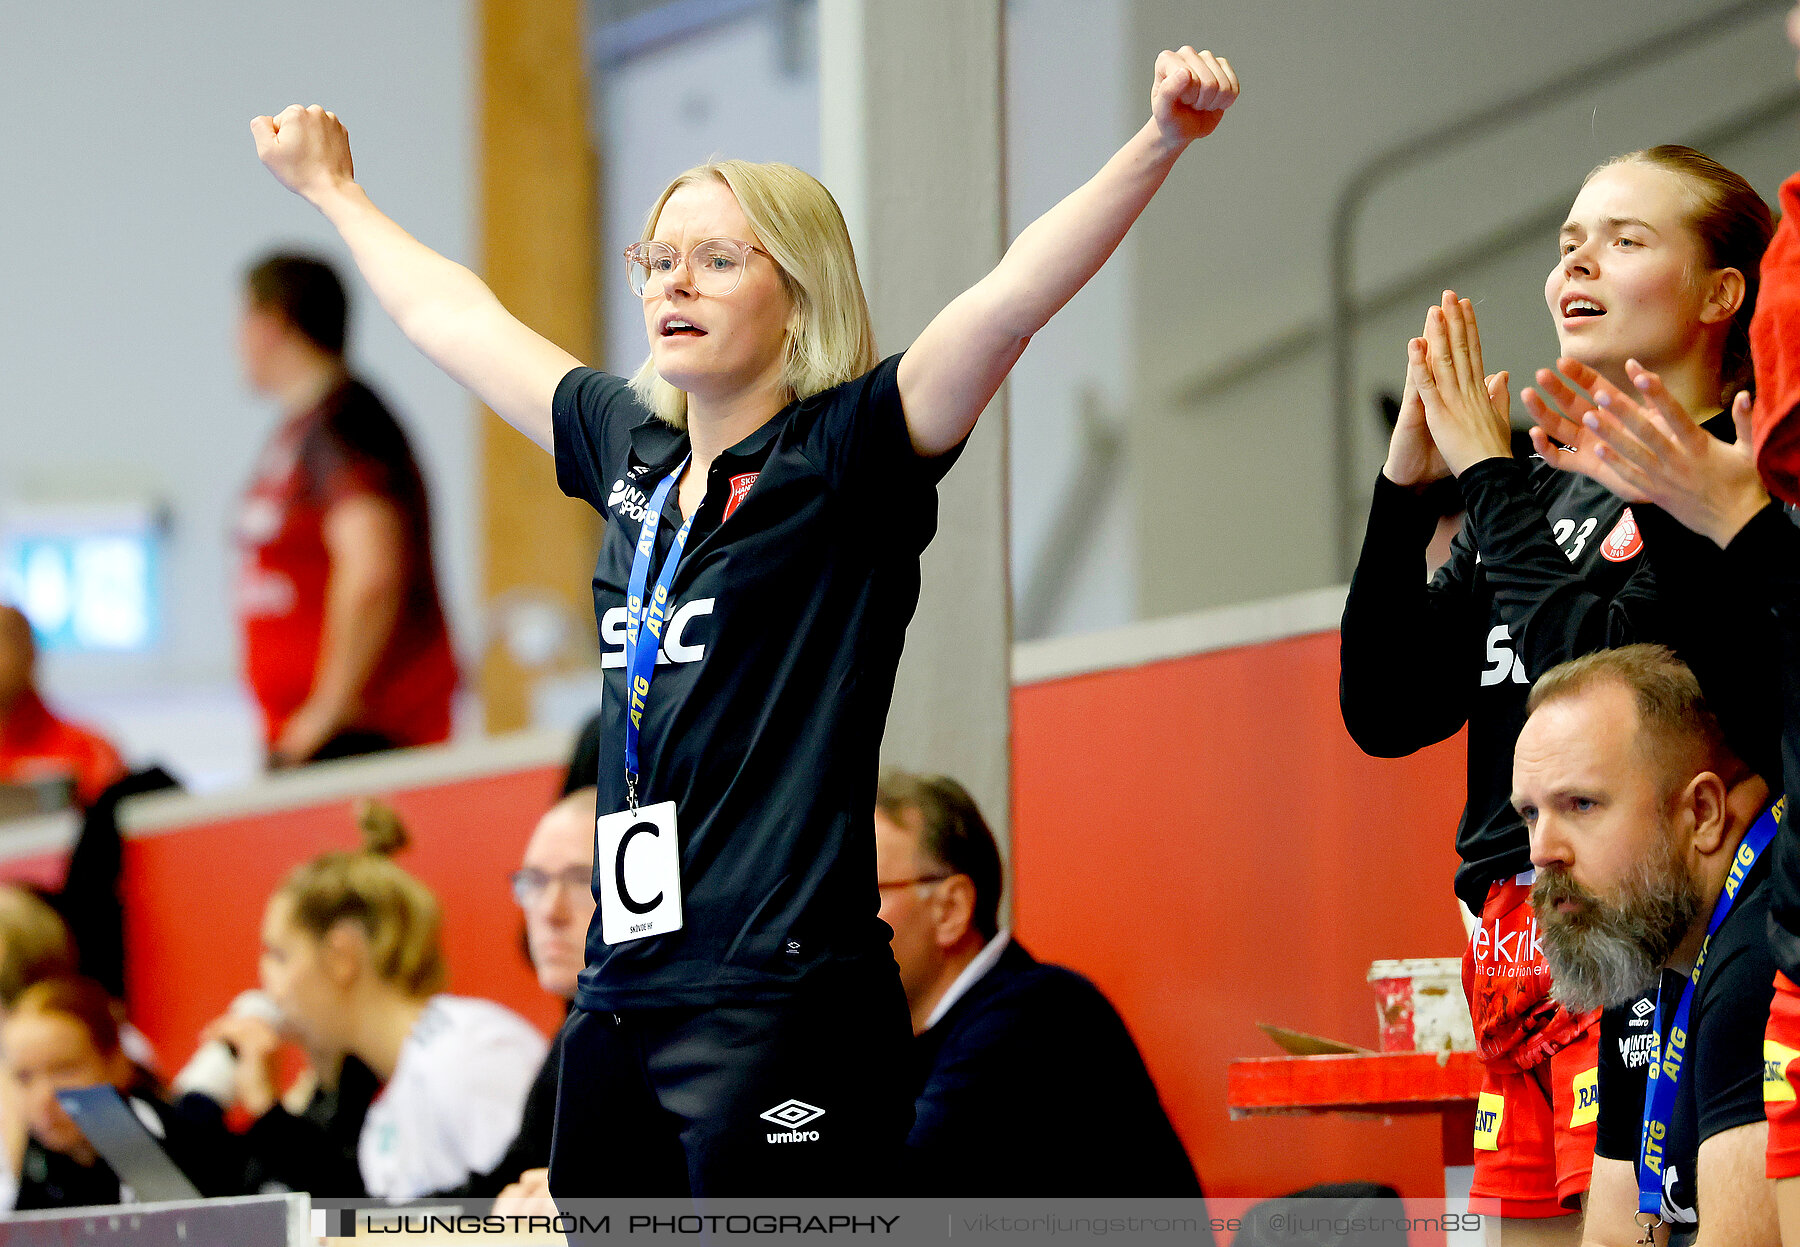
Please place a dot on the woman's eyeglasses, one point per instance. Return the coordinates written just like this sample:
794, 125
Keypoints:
714, 266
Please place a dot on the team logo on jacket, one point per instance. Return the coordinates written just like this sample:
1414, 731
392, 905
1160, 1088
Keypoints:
740, 485
1624, 541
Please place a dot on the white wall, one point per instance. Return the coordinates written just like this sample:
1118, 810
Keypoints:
1070, 103
134, 200
723, 92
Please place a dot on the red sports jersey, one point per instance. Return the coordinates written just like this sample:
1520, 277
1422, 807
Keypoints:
1507, 982
1534, 1128
1775, 346
346, 446
36, 745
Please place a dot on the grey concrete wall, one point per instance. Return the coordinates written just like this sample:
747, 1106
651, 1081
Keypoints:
912, 146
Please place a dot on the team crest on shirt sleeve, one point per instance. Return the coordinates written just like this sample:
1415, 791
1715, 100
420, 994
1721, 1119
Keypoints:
1624, 541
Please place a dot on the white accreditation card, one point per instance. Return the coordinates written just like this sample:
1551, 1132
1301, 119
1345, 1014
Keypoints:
639, 855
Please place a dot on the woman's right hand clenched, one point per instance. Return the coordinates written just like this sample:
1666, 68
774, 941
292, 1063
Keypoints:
307, 149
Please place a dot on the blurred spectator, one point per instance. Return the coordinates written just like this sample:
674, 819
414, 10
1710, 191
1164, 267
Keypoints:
35, 745
352, 959
554, 886
35, 945
61, 1034
344, 639
1006, 1045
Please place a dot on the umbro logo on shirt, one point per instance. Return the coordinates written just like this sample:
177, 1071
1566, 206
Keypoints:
793, 1114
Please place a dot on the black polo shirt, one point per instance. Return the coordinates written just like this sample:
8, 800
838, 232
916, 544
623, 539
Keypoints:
1721, 1082
765, 716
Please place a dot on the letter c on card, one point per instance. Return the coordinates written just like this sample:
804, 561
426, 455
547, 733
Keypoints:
625, 897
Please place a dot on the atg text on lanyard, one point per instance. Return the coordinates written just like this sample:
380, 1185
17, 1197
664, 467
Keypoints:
1666, 1065
638, 851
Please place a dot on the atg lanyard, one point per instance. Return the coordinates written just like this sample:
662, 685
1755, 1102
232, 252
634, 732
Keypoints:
1665, 1067
640, 661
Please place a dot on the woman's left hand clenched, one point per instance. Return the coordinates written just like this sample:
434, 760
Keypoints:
1466, 410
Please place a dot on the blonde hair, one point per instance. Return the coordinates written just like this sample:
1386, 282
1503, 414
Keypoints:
829, 337
34, 942
398, 915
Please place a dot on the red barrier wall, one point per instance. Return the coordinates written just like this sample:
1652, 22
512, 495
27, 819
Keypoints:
1201, 838
194, 897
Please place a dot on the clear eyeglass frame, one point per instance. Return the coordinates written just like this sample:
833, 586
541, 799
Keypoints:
715, 265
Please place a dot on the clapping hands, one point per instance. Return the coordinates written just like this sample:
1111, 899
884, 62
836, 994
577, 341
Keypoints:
1452, 414
1645, 447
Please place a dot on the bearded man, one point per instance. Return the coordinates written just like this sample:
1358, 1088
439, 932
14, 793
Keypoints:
1646, 833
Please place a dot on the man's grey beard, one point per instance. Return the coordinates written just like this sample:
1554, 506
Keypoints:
1603, 953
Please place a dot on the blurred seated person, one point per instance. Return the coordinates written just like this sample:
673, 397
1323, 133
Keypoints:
1008, 1048
35, 944
35, 745
351, 957
554, 887
345, 645
311, 1144
61, 1034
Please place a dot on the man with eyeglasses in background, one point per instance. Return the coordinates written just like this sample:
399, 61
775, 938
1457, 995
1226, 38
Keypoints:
1004, 1045
554, 887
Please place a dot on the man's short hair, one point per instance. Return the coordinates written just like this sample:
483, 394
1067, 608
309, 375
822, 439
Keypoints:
952, 835
1676, 728
307, 294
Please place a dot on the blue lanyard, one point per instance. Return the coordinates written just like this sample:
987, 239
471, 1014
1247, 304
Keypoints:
1666, 1067
640, 660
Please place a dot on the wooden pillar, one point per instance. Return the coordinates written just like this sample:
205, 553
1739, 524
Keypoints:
538, 225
